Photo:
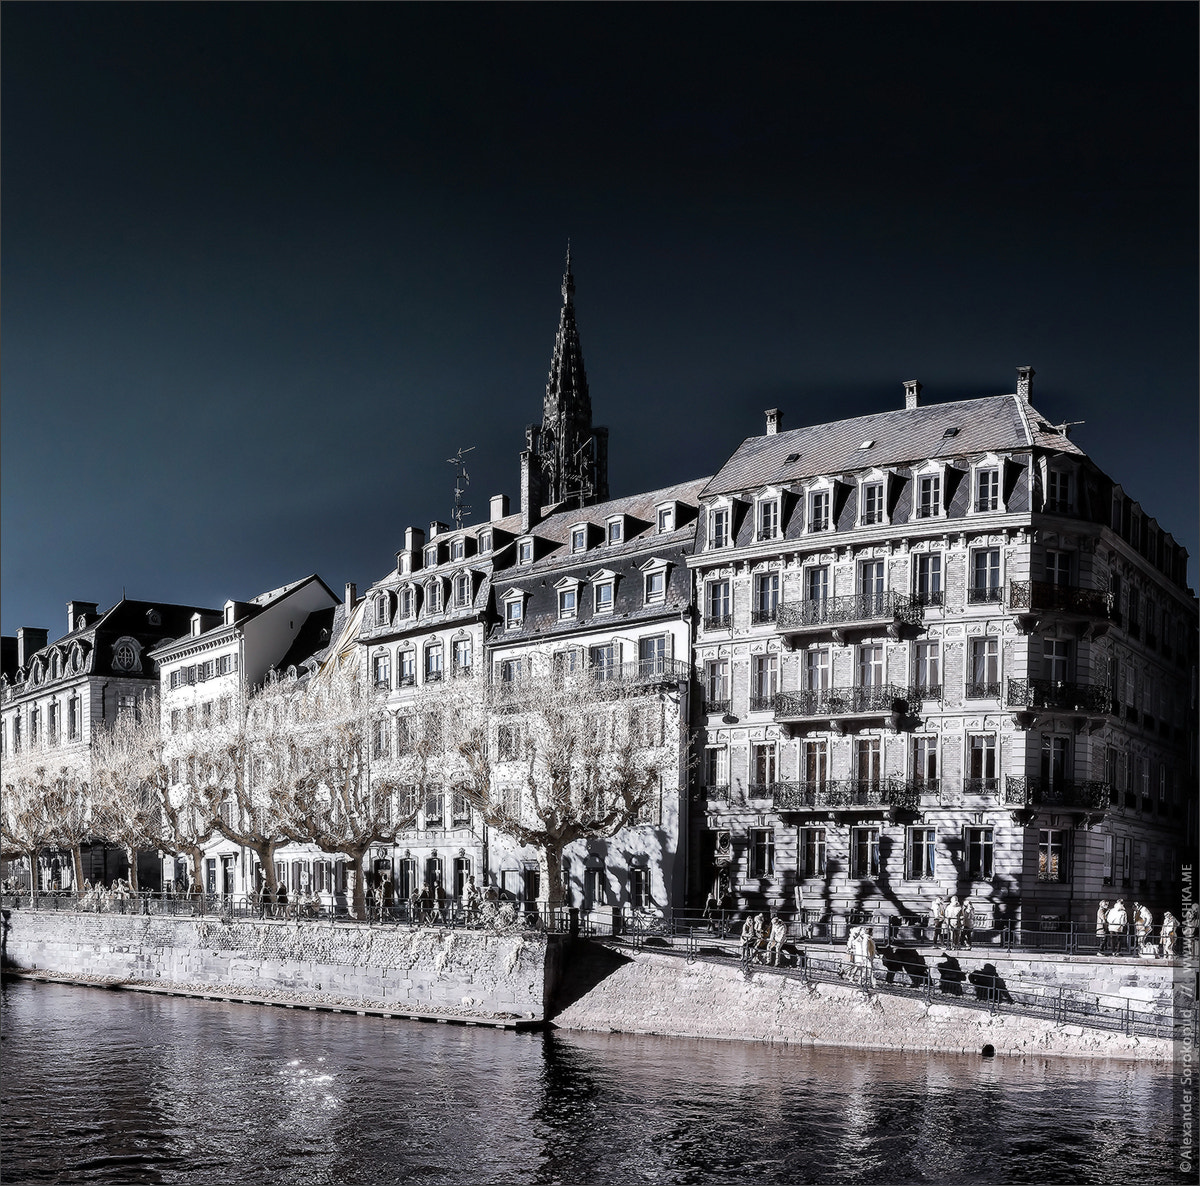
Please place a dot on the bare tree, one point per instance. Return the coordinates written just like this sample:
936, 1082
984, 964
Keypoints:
25, 821
345, 791
557, 757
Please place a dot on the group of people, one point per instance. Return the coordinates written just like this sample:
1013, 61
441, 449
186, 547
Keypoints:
952, 922
99, 897
1113, 925
763, 939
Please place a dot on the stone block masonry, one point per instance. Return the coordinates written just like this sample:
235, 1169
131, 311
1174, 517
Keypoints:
430, 970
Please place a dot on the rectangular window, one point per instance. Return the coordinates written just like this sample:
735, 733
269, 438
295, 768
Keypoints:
652, 656
812, 852
656, 587
406, 603
514, 614
665, 520
578, 539
462, 589
1053, 854
73, 719
508, 742
980, 853
1058, 567
1056, 660
603, 661
818, 511
566, 603
868, 758
380, 737
457, 550
864, 853
382, 673
762, 769
431, 556
870, 584
433, 664
615, 531
716, 605
525, 552
981, 764
762, 852
815, 756
816, 583
766, 597
929, 669
1058, 491
872, 503
433, 597
870, 666
435, 807
983, 677
922, 843
985, 576
768, 519
485, 542
816, 670
716, 767
1055, 760
929, 496
929, 578
719, 531
764, 682
716, 685
987, 490
602, 597
462, 656
925, 760
639, 886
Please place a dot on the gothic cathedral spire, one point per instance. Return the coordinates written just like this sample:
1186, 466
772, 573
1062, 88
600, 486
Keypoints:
574, 455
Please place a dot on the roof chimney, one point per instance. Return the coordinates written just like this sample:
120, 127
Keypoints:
30, 640
774, 421
1025, 383
77, 610
499, 507
351, 595
414, 539
912, 393
437, 528
531, 481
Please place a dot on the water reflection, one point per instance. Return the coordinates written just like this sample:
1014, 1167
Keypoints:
117, 1088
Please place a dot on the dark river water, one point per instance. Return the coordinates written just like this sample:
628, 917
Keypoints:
106, 1087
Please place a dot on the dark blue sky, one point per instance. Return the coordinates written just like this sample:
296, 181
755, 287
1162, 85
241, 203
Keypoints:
265, 267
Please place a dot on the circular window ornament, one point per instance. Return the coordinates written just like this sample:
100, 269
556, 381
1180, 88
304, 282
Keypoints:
125, 655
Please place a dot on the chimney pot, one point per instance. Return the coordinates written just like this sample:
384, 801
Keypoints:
774, 421
499, 507
30, 640
77, 609
912, 393
1025, 383
351, 595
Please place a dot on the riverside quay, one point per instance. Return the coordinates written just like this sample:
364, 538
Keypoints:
891, 658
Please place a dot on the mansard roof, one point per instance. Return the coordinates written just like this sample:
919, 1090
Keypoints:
991, 424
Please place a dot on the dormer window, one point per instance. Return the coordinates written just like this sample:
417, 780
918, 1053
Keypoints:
602, 596
656, 586
616, 531
382, 617
433, 597
1058, 491
525, 552
462, 590
431, 556
567, 598
578, 539
768, 519
458, 549
665, 520
987, 489
406, 603
872, 503
929, 496
485, 541
718, 528
514, 612
818, 511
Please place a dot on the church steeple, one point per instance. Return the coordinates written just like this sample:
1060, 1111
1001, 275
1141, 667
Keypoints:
574, 455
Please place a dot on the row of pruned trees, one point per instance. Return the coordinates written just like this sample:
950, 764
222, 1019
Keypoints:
547, 761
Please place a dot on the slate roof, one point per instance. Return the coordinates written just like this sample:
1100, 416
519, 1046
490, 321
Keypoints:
309, 647
992, 423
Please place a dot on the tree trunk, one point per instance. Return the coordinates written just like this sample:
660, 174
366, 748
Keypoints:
34, 871
77, 865
132, 854
358, 900
265, 851
550, 891
198, 876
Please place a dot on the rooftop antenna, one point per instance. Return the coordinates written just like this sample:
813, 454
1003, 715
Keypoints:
461, 481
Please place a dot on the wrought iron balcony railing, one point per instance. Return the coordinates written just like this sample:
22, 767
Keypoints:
434, 676
1056, 694
718, 793
1044, 595
985, 594
981, 786
763, 615
844, 792
855, 701
983, 689
763, 703
717, 706
830, 612
1056, 792
718, 621
642, 673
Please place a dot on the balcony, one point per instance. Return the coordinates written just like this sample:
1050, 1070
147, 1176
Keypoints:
834, 704
718, 621
1034, 600
983, 690
985, 595
836, 615
764, 703
714, 707
846, 794
1056, 792
764, 615
1058, 696
645, 673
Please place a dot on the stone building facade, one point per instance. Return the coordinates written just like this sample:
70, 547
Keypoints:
939, 652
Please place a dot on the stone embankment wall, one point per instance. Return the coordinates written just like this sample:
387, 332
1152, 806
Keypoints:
427, 969
650, 993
